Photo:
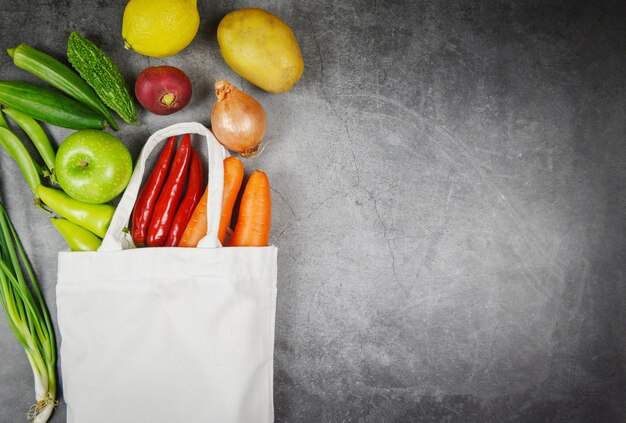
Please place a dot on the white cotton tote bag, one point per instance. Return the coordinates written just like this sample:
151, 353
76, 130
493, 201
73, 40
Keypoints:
168, 335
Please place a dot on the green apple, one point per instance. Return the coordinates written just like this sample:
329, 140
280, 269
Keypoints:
93, 166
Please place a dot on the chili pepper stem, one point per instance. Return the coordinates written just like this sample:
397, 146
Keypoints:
38, 203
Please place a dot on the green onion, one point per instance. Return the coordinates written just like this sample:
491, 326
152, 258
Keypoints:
28, 317
3, 122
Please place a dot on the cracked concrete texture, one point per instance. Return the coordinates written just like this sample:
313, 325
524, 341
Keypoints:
448, 195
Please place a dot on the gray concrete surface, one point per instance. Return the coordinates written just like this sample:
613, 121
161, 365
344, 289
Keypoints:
448, 192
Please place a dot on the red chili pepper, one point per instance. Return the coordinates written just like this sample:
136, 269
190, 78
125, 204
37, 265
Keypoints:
150, 193
170, 196
195, 188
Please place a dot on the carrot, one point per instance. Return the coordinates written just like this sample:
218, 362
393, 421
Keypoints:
197, 227
233, 176
255, 213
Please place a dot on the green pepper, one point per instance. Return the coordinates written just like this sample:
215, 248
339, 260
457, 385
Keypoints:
77, 237
93, 217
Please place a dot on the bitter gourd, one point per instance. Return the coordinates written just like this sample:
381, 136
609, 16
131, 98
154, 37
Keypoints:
95, 67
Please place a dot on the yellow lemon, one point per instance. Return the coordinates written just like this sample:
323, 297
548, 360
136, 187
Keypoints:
159, 28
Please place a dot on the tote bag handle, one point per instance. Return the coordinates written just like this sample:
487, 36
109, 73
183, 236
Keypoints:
116, 239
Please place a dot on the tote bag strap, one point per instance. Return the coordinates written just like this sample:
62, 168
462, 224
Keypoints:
116, 239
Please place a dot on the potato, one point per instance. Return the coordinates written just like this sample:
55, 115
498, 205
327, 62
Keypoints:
261, 49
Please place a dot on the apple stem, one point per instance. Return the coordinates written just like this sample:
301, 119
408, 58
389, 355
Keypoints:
84, 163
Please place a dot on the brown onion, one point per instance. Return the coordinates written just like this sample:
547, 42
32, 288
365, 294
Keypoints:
237, 120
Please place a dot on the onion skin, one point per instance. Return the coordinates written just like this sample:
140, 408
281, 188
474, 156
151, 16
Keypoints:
237, 120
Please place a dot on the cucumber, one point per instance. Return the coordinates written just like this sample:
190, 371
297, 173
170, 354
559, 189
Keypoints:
48, 106
61, 77
95, 67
